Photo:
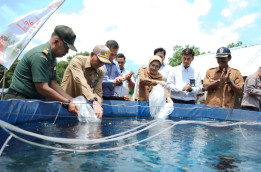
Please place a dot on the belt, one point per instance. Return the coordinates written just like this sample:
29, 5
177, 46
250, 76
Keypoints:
183, 101
113, 98
15, 93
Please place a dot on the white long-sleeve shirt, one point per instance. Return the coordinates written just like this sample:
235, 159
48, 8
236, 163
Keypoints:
123, 90
178, 77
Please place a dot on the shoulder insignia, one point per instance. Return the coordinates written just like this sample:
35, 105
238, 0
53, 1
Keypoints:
46, 51
44, 58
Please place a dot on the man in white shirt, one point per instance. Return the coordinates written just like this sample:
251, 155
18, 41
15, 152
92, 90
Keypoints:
165, 68
184, 82
123, 90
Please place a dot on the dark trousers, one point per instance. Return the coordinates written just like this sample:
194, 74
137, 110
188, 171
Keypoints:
12, 94
251, 108
113, 98
183, 101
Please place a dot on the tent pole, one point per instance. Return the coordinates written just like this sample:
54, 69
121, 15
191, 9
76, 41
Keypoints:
3, 85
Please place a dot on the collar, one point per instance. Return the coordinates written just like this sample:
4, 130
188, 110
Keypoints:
122, 70
112, 63
50, 54
87, 63
183, 68
217, 70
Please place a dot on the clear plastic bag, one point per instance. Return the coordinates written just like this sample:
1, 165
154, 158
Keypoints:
159, 109
86, 112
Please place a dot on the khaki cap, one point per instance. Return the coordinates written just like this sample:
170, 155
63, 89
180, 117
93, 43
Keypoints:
103, 53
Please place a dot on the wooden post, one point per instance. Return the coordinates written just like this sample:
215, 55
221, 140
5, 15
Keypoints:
3, 85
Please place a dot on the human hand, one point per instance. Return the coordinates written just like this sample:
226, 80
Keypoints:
118, 80
162, 83
128, 76
227, 75
187, 87
126, 97
169, 100
72, 108
97, 109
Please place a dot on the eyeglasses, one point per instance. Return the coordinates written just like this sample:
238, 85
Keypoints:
154, 66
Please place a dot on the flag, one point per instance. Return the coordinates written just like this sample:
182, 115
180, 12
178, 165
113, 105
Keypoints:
21, 31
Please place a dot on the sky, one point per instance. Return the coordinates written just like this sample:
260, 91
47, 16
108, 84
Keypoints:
140, 26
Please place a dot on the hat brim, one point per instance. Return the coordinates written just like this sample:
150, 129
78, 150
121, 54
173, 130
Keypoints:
222, 56
104, 60
72, 47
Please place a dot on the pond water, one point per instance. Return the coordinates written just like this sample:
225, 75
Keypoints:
184, 147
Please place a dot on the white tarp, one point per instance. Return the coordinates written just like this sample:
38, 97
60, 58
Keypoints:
246, 59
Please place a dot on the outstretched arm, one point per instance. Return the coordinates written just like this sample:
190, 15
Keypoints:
51, 94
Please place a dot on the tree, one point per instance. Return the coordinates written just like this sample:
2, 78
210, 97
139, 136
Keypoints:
238, 44
60, 68
85, 53
62, 65
9, 75
176, 59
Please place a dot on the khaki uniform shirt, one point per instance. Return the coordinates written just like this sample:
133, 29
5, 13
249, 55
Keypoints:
37, 65
146, 84
252, 86
223, 96
81, 79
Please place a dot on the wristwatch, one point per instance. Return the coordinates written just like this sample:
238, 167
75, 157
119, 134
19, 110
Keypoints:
66, 105
94, 99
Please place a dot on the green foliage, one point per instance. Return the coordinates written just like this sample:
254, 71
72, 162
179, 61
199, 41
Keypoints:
176, 59
9, 75
85, 53
231, 45
62, 65
131, 91
60, 68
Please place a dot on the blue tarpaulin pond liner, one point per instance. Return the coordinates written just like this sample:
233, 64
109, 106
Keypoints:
126, 130
21, 111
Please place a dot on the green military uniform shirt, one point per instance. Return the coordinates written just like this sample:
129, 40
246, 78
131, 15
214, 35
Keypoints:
37, 65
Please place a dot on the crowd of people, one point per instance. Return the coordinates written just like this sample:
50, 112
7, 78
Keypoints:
103, 76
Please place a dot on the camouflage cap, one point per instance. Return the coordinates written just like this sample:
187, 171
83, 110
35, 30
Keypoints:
67, 35
103, 53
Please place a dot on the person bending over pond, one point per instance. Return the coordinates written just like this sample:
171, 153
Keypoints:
150, 77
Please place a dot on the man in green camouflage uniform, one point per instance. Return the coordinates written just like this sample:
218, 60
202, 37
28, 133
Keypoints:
35, 75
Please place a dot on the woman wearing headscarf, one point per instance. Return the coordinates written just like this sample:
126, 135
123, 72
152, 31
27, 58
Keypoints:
150, 77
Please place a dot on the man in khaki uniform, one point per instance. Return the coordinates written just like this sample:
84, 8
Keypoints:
222, 83
84, 76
